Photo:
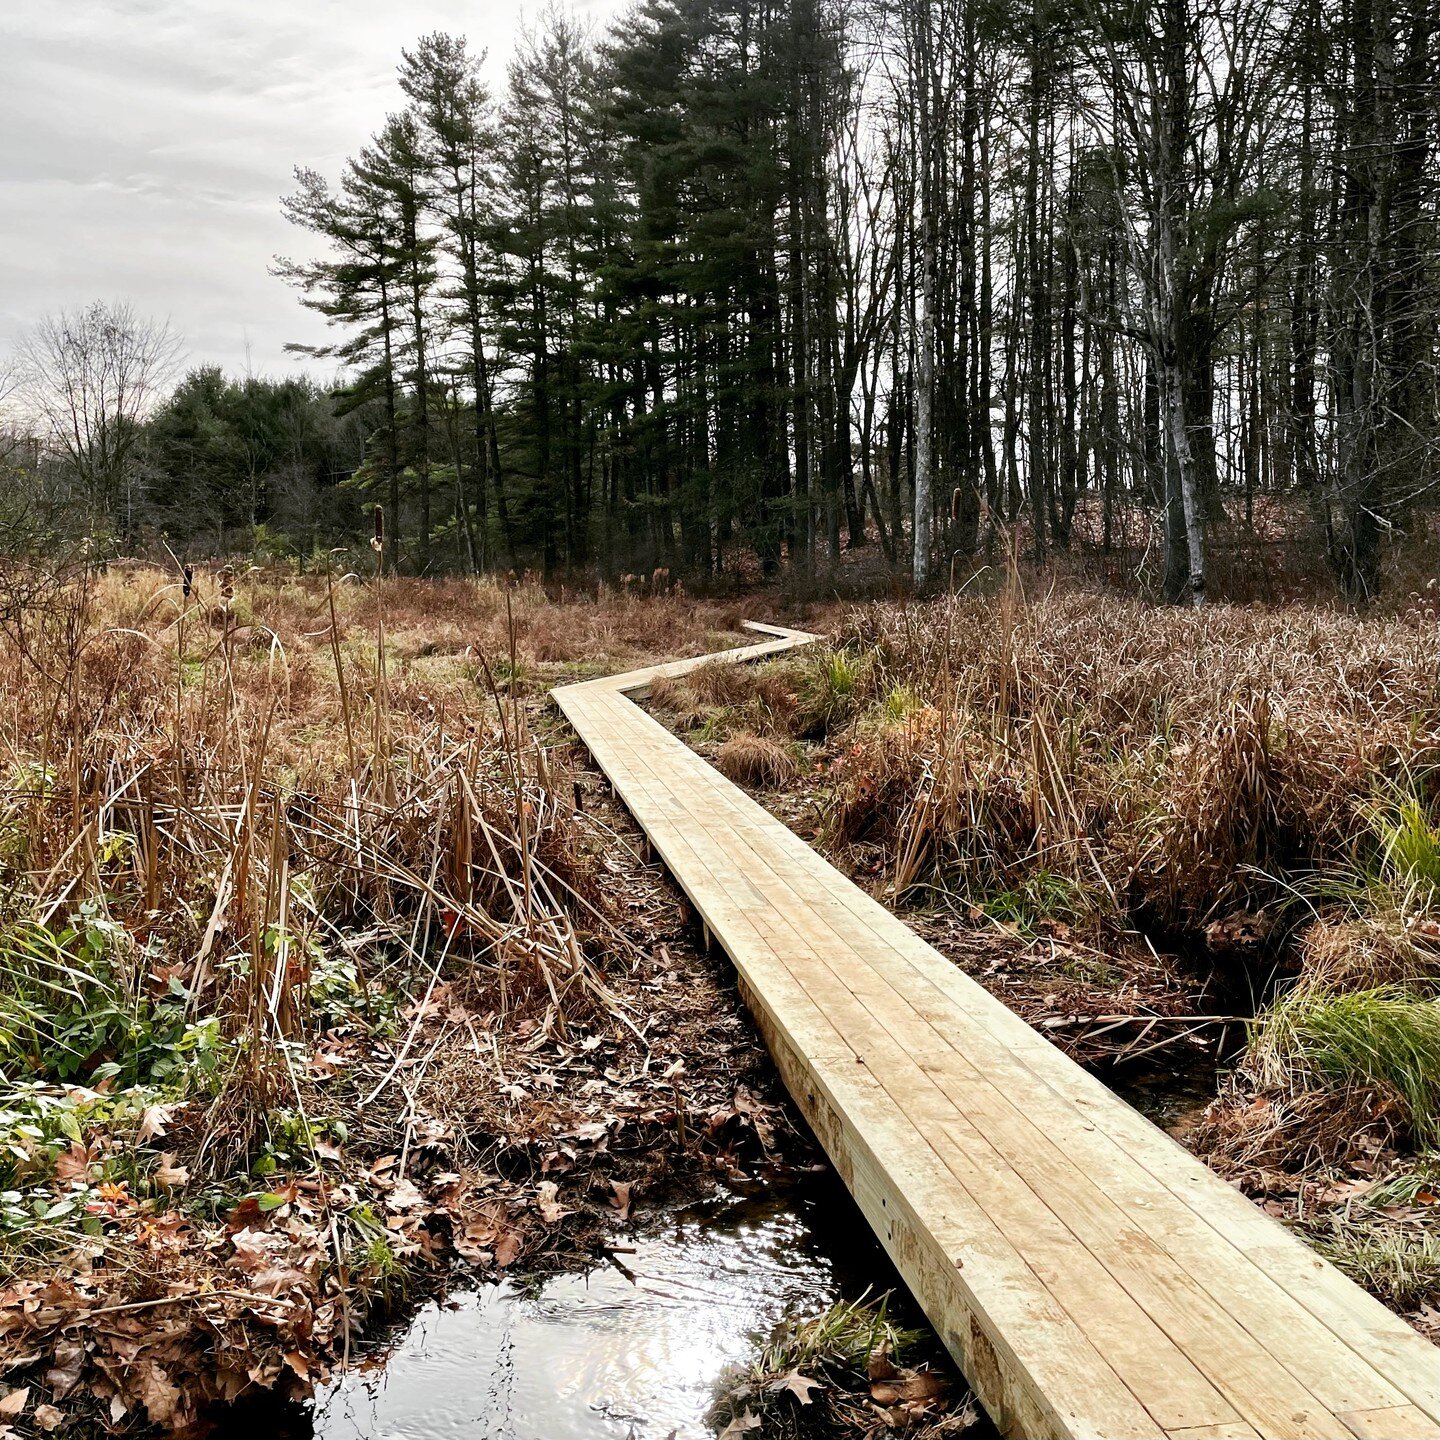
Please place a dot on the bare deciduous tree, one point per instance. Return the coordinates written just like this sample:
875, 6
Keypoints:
92, 375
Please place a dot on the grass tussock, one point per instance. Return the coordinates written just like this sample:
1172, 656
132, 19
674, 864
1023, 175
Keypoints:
756, 760
1387, 1039
1399, 1264
848, 1371
1359, 951
807, 696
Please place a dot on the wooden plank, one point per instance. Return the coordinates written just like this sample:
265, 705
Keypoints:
923, 1222
1399, 1422
1365, 1325
1215, 1432
1176, 1235
1088, 1274
1061, 1198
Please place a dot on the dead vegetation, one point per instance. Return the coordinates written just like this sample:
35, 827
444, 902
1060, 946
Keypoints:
320, 973
756, 760
848, 1371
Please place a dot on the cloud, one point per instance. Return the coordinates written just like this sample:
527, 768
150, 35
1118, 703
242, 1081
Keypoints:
144, 145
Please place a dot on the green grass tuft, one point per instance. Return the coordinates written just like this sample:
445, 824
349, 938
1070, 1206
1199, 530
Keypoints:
1388, 1037
1401, 1268
1410, 850
842, 1338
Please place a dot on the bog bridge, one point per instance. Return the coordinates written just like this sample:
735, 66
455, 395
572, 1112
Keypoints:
1089, 1275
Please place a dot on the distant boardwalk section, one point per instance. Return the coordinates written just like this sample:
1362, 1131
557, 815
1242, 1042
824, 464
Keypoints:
1090, 1276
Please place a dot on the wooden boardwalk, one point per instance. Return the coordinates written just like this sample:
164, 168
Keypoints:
1090, 1276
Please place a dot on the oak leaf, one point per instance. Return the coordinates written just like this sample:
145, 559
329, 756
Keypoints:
155, 1121
740, 1425
170, 1174
64, 1374
547, 1203
800, 1386
160, 1398
72, 1165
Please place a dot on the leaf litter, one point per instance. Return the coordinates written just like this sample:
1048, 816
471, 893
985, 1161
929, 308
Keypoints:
490, 1144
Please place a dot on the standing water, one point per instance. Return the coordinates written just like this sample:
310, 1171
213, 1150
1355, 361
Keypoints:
606, 1357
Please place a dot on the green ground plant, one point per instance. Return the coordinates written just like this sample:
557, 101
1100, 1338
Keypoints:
1387, 1037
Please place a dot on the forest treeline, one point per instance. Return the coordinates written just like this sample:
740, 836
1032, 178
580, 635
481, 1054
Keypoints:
755, 282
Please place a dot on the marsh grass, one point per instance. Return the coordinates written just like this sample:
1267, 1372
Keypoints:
850, 1370
1398, 1262
840, 1339
756, 760
1388, 1038
211, 785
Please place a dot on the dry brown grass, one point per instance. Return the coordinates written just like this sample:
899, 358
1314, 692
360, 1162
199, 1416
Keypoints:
334, 831
240, 773
1168, 759
1291, 1133
1347, 953
756, 760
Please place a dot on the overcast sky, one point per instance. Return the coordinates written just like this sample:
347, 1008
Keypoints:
144, 145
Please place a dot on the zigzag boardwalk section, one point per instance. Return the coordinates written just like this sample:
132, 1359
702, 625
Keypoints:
1090, 1276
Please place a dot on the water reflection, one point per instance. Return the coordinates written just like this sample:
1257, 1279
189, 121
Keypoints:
601, 1356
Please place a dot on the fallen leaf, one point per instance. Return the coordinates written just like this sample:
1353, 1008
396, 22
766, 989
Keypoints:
254, 1250
169, 1174
474, 1242
64, 1374
47, 1417
72, 1165
620, 1190
546, 1202
909, 1387
1340, 1192
741, 1425
278, 1280
155, 1121
246, 1214
405, 1195
160, 1398
880, 1366
15, 1402
797, 1384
